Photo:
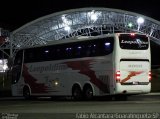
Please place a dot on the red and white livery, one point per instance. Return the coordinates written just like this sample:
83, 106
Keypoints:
111, 64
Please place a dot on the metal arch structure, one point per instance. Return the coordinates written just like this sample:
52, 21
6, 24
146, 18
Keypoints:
81, 22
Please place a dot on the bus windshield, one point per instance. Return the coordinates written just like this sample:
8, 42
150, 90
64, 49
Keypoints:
134, 41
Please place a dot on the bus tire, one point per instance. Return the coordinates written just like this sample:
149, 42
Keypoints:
26, 93
76, 92
88, 92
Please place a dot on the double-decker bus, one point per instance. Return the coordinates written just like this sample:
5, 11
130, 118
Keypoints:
84, 67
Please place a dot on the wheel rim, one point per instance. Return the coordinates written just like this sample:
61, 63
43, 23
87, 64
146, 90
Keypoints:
26, 93
88, 93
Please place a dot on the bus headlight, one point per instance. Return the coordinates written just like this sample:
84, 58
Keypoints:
56, 83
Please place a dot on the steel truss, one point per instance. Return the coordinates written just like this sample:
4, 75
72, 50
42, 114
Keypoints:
80, 22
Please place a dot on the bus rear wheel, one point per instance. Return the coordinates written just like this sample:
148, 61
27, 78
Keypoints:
88, 92
77, 93
26, 93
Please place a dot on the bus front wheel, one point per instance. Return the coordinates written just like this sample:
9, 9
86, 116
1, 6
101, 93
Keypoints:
26, 93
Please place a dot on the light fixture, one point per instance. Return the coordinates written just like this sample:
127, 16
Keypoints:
140, 20
130, 25
67, 28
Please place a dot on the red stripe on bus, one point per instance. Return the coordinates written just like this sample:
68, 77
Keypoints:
29, 79
85, 69
131, 74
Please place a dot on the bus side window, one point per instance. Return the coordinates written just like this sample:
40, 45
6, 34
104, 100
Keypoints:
90, 50
107, 46
53, 53
95, 49
79, 50
58, 54
45, 55
68, 52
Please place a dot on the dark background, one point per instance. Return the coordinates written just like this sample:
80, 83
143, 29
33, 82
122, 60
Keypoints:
15, 13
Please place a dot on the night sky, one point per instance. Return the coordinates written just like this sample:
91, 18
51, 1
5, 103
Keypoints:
15, 13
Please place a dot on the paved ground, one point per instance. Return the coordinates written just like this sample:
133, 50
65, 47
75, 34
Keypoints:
44, 108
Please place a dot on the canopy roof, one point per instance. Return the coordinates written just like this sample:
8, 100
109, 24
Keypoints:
82, 22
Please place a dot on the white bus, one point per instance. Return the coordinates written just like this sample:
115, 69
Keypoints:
111, 64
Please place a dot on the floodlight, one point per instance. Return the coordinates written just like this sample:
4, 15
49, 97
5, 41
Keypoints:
140, 20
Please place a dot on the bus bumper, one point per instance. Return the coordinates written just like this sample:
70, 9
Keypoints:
132, 89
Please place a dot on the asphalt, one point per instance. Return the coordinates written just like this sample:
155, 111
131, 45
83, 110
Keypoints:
153, 94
